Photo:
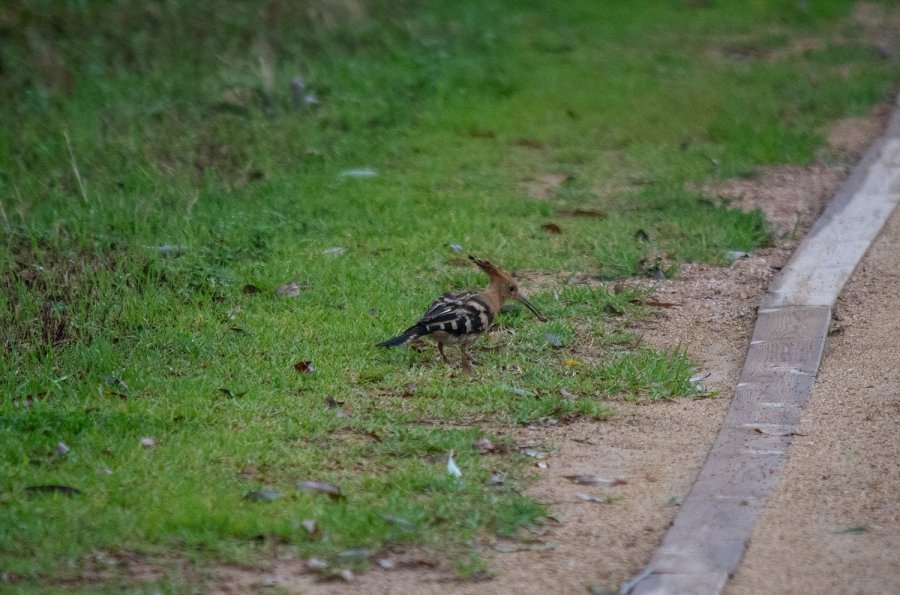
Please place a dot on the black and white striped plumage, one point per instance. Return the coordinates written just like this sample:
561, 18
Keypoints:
455, 317
459, 318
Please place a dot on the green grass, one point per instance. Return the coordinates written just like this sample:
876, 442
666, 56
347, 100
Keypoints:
149, 171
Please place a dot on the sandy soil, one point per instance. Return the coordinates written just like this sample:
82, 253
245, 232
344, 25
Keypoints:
658, 449
833, 523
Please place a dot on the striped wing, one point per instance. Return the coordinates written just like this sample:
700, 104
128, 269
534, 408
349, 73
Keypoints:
460, 313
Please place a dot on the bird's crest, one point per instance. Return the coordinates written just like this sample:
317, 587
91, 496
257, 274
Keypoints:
492, 270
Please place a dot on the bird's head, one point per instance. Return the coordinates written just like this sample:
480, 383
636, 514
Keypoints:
504, 285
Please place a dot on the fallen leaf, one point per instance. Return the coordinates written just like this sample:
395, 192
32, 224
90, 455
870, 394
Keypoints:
360, 172
653, 268
495, 480
353, 555
552, 228
319, 487
515, 390
657, 304
169, 250
310, 526
553, 340
148, 442
594, 480
543, 546
332, 403
572, 363
251, 289
231, 394
483, 445
506, 548
334, 251
589, 213
534, 546
27, 402
114, 381
405, 524
53, 489
290, 289
304, 367
452, 467
613, 310
263, 496
589, 498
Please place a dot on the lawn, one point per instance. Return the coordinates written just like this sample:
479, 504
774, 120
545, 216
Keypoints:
165, 176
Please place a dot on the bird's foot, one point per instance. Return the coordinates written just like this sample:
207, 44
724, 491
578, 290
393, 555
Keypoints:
444, 359
466, 367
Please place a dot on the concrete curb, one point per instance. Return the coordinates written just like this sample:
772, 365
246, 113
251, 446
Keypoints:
708, 538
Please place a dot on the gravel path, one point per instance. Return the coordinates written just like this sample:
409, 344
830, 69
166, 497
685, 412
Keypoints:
833, 522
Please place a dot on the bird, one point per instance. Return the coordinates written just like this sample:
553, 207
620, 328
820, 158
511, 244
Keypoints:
460, 317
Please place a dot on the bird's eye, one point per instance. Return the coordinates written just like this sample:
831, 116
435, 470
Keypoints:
512, 288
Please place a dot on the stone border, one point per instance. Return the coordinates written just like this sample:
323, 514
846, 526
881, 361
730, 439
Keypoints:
708, 538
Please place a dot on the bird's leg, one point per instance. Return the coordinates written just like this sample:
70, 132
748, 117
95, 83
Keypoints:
464, 360
440, 347
467, 360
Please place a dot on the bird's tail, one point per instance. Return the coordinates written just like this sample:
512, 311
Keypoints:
410, 334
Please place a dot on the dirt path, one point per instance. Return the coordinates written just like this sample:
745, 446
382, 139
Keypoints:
833, 523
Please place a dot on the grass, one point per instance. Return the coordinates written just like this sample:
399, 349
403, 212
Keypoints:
154, 172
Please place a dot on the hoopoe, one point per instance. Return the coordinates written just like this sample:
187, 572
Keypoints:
459, 318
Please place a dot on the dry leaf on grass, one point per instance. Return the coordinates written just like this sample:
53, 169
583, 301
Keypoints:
290, 289
552, 228
319, 487
263, 496
304, 367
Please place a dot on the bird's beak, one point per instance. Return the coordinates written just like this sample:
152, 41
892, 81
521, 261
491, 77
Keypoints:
531, 307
